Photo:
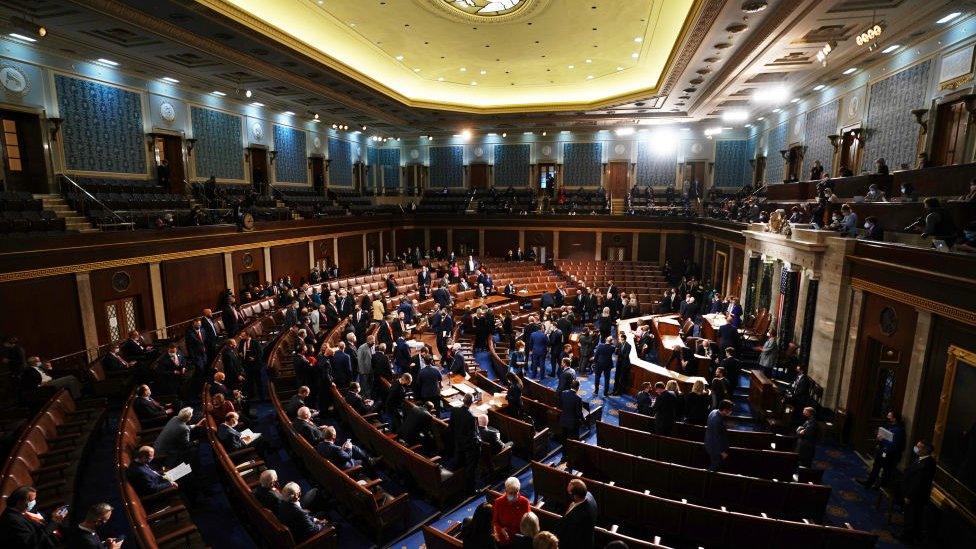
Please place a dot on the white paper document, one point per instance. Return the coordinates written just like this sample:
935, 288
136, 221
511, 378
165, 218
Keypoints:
177, 472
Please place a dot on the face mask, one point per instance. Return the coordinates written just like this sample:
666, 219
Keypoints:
915, 449
31, 505
868, 225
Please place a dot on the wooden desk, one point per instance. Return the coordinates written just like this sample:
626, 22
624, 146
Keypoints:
763, 394
479, 302
460, 384
710, 327
666, 329
643, 371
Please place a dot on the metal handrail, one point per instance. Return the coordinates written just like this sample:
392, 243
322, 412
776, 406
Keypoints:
91, 196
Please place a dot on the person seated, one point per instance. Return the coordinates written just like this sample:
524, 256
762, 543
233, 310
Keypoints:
21, 526
490, 435
363, 406
476, 530
873, 228
971, 195
145, 480
299, 521
230, 437
416, 425
507, 512
147, 409
38, 374
135, 348
113, 361
848, 225
219, 407
303, 426
968, 241
345, 456
267, 492
297, 401
874, 194
85, 533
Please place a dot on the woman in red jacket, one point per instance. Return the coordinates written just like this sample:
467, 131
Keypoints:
507, 512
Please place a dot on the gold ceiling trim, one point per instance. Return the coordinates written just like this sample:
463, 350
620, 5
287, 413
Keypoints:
252, 22
941, 309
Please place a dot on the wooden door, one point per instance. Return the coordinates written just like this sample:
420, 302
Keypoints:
850, 152
760, 171
949, 144
318, 174
616, 179
479, 176
121, 317
878, 386
24, 166
615, 253
259, 169
691, 171
794, 159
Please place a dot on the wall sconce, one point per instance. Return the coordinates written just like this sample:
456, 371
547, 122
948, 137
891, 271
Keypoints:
785, 153
919, 115
55, 127
190, 143
273, 155
860, 134
834, 141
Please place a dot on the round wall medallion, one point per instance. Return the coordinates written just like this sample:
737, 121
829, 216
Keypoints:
696, 148
546, 150
619, 149
121, 281
257, 131
247, 261
414, 154
889, 321
316, 141
167, 111
479, 152
853, 106
14, 80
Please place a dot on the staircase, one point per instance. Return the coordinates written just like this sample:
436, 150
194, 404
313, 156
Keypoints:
280, 204
72, 221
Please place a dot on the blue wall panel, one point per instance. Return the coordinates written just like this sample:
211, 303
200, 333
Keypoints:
447, 166
290, 162
732, 168
774, 160
512, 165
103, 129
821, 122
219, 151
582, 164
655, 168
893, 132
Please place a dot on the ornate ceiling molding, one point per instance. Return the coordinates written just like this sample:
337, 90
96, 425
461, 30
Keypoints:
935, 307
691, 42
520, 9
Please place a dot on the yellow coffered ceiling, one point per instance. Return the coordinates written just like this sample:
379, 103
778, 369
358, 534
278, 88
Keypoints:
483, 56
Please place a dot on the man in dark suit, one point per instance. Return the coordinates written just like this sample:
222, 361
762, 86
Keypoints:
231, 363
299, 522
602, 365
566, 375
210, 333
665, 409
304, 426
173, 370
458, 366
84, 535
916, 489
644, 400
720, 387
559, 297
291, 315
21, 527
539, 344
229, 436
396, 399
147, 409
489, 435
579, 521
620, 378
717, 435
728, 337
807, 436
467, 442
555, 350
887, 453
232, 318
429, 380
114, 362
344, 303
143, 478
442, 297
267, 492
196, 348
296, 401
362, 406
546, 301
423, 283
251, 358
571, 411
342, 374
381, 366
415, 427
343, 456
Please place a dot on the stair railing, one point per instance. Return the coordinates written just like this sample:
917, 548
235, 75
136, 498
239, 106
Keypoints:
78, 188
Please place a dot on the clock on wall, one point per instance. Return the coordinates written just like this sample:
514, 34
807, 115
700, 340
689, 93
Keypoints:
696, 148
14, 80
257, 131
414, 154
167, 111
888, 321
121, 281
546, 150
316, 142
619, 149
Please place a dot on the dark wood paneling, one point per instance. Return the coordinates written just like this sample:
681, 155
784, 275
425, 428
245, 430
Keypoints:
323, 252
190, 285
577, 246
254, 257
619, 240
497, 243
386, 239
291, 260
438, 237
373, 243
678, 247
466, 238
409, 238
44, 314
538, 238
648, 246
350, 255
139, 288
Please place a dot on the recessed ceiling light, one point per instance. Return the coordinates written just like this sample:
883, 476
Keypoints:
473, 83
819, 87
108, 62
638, 39
247, 93
171, 80
257, 104
850, 70
624, 131
463, 69
218, 93
635, 55
571, 67
22, 37
589, 77
430, 138
504, 134
483, 71
416, 69
399, 58
466, 134
777, 94
737, 115
795, 100
891, 48
620, 68
776, 110
351, 24
440, 78
589, 60
949, 17
288, 113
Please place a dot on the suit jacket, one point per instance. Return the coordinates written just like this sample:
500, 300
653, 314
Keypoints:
464, 428
665, 412
539, 343
339, 456
77, 538
144, 480
644, 403
720, 391
442, 297
174, 439
231, 363
308, 430
147, 408
358, 403
112, 363
395, 400
728, 336
298, 521
209, 328
341, 369
566, 378
458, 367
603, 356
231, 319
571, 410
416, 421
230, 438
267, 497
293, 404
170, 365
250, 353
556, 341
196, 343
381, 366
384, 334
492, 437
430, 383
577, 525
916, 484
623, 354
716, 434
547, 300
18, 531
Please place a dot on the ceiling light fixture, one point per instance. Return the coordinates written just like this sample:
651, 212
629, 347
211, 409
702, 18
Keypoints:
945, 19
466, 133
316, 117
440, 78
761, 118
891, 48
473, 83
738, 115
776, 94
364, 128
483, 71
851, 70
257, 104
430, 138
589, 60
543, 134
22, 37
504, 134
635, 55
571, 67
399, 58
624, 131
108, 62
589, 77
777, 109
870, 36
819, 87
218, 93
638, 39
463, 69
620, 68
170, 79
288, 113
30, 27
825, 51
247, 93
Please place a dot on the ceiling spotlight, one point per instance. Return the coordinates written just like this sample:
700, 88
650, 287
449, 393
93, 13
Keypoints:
218, 93
170, 80
738, 115
364, 128
288, 113
571, 67
473, 83
430, 138
891, 48
754, 6
335, 126
543, 134
416, 69
466, 133
589, 60
440, 78
483, 71
399, 58
108, 62
777, 109
589, 77
624, 131
945, 19
463, 69
257, 104
504, 134
316, 116
851, 70
819, 87
795, 100
638, 39
33, 29
19, 36
620, 68
635, 55
247, 93
761, 118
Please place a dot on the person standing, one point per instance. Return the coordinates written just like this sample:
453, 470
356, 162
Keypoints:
578, 524
916, 489
467, 442
620, 383
888, 452
665, 410
507, 512
717, 435
571, 411
807, 436
602, 364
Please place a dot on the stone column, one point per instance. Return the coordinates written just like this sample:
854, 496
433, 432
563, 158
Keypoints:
836, 394
801, 301
633, 246
335, 252
555, 244
365, 252
229, 270
393, 245
521, 243
268, 272
311, 255
450, 240
427, 239
598, 254
379, 235
87, 305
159, 306
481, 242
662, 250
920, 347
